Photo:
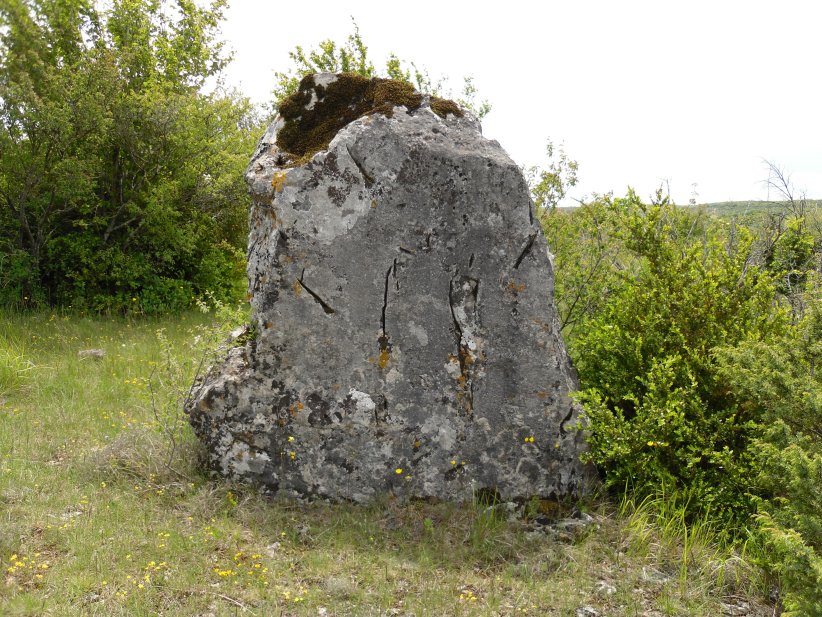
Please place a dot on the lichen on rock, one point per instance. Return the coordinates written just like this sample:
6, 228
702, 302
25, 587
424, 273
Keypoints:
402, 297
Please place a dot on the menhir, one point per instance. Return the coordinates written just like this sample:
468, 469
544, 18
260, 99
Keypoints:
406, 340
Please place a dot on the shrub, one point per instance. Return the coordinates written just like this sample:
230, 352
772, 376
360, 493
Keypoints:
659, 413
782, 382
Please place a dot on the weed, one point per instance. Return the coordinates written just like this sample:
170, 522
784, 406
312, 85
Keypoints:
15, 368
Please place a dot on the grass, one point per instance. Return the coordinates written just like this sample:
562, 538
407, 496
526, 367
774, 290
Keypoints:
100, 515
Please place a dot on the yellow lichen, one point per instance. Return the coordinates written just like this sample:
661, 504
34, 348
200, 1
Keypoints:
298, 288
385, 357
278, 182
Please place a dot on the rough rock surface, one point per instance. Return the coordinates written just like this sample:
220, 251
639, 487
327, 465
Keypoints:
406, 340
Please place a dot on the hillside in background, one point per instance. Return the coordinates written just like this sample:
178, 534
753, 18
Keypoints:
730, 208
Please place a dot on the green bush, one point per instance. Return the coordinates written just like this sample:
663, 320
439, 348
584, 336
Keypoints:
699, 343
19, 282
792, 255
659, 413
781, 381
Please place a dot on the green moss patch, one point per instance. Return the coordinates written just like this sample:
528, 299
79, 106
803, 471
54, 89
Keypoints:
443, 107
351, 96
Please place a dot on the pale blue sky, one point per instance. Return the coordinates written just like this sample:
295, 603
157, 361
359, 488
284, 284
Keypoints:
639, 92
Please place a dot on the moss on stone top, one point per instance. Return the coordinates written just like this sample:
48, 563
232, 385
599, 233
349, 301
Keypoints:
443, 107
348, 97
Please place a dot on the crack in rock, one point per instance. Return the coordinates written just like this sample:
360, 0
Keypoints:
328, 310
462, 298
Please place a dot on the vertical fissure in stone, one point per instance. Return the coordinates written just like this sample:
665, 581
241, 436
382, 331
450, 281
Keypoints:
565, 420
384, 338
462, 298
525, 250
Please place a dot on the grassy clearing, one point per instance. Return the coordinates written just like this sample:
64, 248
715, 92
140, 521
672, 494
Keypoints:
98, 516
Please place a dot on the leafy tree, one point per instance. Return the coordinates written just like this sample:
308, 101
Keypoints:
120, 177
550, 186
352, 56
588, 259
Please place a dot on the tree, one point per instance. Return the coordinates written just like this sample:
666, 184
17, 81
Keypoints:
120, 177
790, 250
550, 186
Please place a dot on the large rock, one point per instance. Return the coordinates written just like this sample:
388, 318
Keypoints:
406, 339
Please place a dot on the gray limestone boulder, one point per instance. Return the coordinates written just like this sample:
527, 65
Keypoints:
406, 340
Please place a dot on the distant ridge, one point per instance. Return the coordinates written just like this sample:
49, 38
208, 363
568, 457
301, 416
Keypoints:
732, 208
729, 208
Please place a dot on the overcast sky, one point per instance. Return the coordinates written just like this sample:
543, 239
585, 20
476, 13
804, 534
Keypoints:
640, 93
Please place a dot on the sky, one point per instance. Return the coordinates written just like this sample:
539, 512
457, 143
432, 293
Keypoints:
694, 95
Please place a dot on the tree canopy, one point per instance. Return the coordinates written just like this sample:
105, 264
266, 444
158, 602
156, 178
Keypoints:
120, 173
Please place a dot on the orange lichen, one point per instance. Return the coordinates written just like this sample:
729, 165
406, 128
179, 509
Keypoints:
278, 181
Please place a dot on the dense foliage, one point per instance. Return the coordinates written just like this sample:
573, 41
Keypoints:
697, 341
120, 174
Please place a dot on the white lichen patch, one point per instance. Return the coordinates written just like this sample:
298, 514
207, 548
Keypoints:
364, 407
362, 400
419, 333
322, 80
235, 460
442, 433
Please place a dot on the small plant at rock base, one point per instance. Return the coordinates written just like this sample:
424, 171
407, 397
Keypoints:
174, 377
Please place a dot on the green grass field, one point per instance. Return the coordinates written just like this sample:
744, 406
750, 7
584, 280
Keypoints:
104, 511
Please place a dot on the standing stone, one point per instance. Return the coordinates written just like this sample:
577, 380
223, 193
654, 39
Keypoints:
406, 339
